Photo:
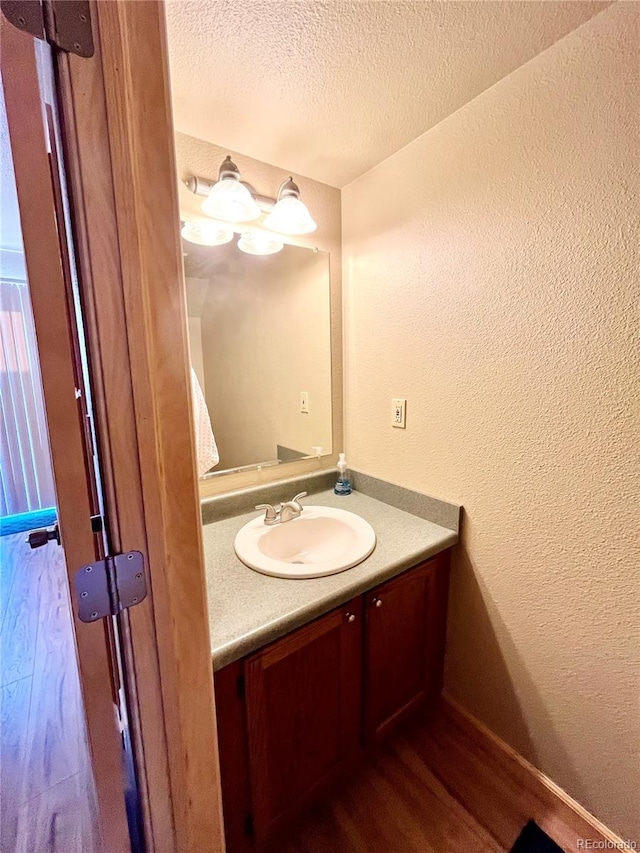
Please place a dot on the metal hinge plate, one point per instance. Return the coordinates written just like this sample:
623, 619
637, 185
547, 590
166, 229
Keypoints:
63, 23
106, 587
25, 15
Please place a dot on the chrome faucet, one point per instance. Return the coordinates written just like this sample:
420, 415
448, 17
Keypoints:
292, 509
285, 512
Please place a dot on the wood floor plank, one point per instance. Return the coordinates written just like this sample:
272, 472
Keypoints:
389, 821
394, 804
53, 573
425, 778
438, 786
55, 741
420, 801
8, 547
490, 795
14, 713
46, 791
407, 809
19, 630
60, 820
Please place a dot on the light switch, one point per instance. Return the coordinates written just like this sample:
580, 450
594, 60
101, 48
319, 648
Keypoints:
304, 402
399, 413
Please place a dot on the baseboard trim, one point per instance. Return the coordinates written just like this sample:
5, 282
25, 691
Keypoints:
548, 801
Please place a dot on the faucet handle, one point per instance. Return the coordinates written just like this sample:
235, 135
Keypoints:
271, 513
297, 498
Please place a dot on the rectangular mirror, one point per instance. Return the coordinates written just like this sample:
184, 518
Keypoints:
260, 339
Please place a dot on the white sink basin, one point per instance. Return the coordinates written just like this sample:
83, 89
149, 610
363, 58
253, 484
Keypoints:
321, 541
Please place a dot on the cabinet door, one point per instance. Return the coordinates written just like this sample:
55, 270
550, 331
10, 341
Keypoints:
303, 697
404, 644
233, 755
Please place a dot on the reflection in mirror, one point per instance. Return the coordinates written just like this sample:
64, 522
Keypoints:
259, 333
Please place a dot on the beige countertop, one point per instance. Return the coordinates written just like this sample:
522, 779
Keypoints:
247, 610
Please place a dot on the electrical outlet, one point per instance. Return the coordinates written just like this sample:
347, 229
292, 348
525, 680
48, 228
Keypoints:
399, 413
304, 402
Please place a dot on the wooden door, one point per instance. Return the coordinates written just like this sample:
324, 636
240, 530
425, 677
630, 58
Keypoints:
303, 713
119, 148
404, 644
117, 141
84, 691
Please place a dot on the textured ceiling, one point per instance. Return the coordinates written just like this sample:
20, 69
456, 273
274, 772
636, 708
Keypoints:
329, 89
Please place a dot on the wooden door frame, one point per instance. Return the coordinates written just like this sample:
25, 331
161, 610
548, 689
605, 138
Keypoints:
44, 237
119, 151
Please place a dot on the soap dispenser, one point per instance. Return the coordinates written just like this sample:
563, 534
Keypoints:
343, 486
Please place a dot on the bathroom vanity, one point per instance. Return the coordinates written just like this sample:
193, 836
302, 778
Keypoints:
296, 714
310, 674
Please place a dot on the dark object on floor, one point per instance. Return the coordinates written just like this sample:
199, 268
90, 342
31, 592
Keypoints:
533, 840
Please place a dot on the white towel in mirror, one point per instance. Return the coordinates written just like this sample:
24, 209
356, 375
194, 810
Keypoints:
206, 448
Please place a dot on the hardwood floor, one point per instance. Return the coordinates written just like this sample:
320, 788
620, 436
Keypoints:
436, 787
46, 790
395, 804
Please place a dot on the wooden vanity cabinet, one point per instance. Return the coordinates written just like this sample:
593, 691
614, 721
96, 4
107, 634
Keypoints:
297, 713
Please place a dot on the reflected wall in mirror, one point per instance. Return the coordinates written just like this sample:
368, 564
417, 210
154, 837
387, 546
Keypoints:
259, 333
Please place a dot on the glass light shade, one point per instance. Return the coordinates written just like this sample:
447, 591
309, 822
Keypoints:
230, 200
259, 243
206, 234
290, 216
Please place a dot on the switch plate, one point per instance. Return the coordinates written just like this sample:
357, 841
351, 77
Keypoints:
399, 413
304, 402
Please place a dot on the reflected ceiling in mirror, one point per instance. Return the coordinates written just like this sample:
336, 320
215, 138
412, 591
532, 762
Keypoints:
259, 333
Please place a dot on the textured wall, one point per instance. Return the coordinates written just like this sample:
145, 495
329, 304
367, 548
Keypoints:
491, 277
197, 157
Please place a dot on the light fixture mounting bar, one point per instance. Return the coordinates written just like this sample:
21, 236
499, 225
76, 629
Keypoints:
202, 186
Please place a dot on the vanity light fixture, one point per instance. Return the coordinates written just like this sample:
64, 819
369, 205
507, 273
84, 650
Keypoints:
229, 199
206, 233
289, 214
233, 200
259, 243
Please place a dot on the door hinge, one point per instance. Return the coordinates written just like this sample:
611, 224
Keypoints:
66, 24
106, 587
